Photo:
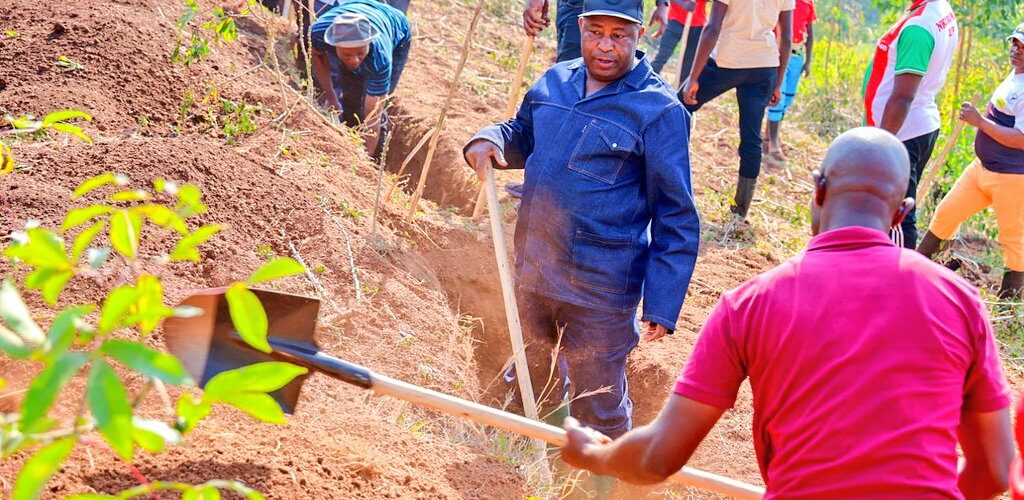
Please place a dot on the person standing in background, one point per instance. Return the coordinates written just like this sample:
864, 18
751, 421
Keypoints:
739, 50
909, 69
799, 64
678, 11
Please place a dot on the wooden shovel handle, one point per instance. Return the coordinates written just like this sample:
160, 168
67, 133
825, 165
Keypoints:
934, 166
539, 430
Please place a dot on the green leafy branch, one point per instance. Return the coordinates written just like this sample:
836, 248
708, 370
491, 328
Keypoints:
58, 121
194, 45
80, 341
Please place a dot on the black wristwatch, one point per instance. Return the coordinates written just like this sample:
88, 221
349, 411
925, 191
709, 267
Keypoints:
661, 2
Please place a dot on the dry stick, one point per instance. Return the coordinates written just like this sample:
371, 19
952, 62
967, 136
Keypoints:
309, 273
678, 73
405, 163
934, 166
510, 109
380, 183
414, 204
348, 247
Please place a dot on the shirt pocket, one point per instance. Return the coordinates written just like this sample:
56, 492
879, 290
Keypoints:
601, 262
601, 151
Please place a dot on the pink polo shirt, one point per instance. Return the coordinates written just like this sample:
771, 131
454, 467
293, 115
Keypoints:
861, 356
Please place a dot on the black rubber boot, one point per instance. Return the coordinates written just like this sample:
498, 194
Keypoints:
1013, 285
930, 245
744, 195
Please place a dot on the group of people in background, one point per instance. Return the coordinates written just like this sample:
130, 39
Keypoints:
869, 363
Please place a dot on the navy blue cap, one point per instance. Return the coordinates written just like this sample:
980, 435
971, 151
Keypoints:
630, 10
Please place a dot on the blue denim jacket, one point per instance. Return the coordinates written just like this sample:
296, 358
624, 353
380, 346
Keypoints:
598, 171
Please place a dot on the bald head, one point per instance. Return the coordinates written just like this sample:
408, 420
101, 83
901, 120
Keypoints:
864, 176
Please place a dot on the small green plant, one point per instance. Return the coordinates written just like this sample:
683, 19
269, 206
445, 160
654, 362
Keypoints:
90, 339
237, 119
12, 33
351, 211
194, 45
69, 65
58, 121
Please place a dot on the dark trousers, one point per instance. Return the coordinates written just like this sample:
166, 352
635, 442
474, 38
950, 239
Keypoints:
591, 359
920, 150
568, 29
754, 87
669, 40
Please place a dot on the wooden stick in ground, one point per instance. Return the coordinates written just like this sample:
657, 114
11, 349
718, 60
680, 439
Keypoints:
510, 108
405, 163
934, 166
515, 329
678, 73
414, 204
540, 431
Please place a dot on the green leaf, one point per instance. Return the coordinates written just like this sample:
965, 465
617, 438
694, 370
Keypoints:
278, 268
7, 163
149, 308
190, 201
70, 129
43, 390
163, 217
149, 362
40, 468
153, 435
80, 216
190, 412
97, 182
85, 238
131, 195
125, 228
64, 328
14, 313
115, 307
49, 281
259, 405
108, 401
248, 316
185, 249
260, 377
41, 248
65, 115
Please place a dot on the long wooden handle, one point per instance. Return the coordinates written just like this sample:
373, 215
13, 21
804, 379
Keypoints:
934, 166
510, 108
539, 430
515, 329
682, 49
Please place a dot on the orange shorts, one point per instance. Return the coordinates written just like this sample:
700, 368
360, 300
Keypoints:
977, 189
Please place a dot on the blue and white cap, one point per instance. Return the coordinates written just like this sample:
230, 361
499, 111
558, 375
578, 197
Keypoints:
1018, 34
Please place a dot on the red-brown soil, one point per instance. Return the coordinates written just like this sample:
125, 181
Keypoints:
423, 284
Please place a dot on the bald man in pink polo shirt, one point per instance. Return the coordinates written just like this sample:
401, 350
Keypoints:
867, 361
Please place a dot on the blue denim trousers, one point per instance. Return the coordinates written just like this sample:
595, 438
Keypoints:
567, 21
591, 357
754, 87
790, 82
669, 40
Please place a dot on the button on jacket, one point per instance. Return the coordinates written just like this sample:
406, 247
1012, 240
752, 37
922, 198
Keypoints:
599, 170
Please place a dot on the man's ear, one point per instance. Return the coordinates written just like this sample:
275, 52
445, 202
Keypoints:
819, 188
904, 209
641, 33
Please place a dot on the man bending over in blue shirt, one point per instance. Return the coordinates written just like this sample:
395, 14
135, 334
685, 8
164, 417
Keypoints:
359, 50
605, 145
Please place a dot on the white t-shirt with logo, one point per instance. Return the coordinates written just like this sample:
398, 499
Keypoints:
747, 39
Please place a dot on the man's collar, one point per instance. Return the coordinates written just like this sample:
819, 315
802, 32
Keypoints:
858, 236
916, 4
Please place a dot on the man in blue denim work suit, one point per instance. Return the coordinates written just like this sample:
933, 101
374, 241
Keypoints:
605, 145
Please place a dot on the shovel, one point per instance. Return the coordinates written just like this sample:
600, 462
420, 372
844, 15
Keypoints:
208, 345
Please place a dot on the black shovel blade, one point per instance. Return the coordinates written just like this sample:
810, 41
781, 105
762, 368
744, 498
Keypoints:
208, 345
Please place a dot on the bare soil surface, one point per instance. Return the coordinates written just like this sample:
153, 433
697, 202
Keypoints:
431, 310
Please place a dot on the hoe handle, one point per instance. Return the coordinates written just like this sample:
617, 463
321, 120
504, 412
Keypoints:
309, 356
548, 433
